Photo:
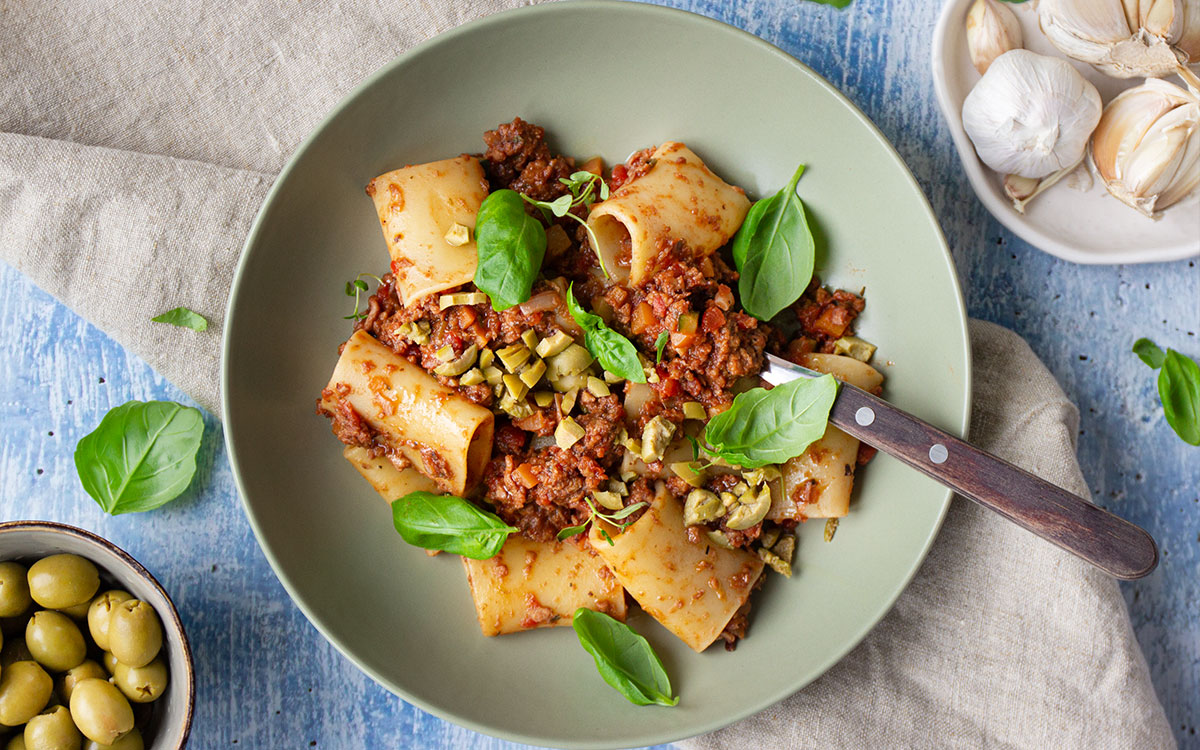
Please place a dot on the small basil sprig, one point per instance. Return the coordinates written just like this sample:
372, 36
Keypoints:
840, 4
774, 252
613, 518
769, 427
140, 456
510, 245
449, 524
616, 353
623, 658
1178, 388
181, 317
354, 288
582, 187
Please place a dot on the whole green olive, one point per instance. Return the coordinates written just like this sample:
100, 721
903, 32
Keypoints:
99, 612
134, 633
14, 589
52, 730
141, 684
24, 691
100, 711
61, 581
71, 678
131, 741
15, 650
16, 742
55, 641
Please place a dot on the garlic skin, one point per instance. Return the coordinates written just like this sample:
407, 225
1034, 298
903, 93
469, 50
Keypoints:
1147, 145
1125, 38
992, 30
1030, 115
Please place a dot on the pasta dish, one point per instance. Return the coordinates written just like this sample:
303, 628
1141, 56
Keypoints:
574, 351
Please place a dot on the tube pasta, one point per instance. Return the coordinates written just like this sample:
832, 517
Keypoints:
417, 206
692, 589
445, 437
818, 483
539, 585
678, 198
391, 483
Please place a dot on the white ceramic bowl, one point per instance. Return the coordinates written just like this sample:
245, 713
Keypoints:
27, 541
1076, 220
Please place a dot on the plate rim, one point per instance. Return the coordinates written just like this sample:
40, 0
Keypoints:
509, 16
981, 183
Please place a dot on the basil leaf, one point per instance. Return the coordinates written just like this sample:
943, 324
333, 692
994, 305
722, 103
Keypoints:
1149, 352
774, 252
625, 512
1179, 389
839, 4
660, 344
623, 658
769, 427
616, 353
510, 245
140, 456
449, 524
571, 531
183, 318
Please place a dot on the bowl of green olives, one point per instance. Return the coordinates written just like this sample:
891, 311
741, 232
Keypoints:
92, 651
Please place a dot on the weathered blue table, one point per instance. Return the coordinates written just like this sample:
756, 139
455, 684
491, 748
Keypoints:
266, 678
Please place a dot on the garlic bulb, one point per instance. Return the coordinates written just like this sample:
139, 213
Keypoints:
1125, 38
1030, 115
992, 30
1147, 145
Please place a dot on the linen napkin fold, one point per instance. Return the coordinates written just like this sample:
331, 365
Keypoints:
128, 183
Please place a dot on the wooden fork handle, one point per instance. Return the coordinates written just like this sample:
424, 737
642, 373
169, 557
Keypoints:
1110, 543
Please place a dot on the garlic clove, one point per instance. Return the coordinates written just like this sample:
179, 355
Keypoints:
992, 30
1188, 39
1022, 190
1147, 146
1109, 35
1162, 18
1030, 115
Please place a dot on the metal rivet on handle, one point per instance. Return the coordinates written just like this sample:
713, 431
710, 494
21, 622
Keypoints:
864, 416
938, 453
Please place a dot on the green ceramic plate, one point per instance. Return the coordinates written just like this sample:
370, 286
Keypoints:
603, 78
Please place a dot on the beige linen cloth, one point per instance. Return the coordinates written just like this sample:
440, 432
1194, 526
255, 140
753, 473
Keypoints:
137, 141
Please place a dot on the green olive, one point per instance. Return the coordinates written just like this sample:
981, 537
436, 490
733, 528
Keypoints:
131, 741
24, 691
134, 633
68, 681
17, 742
61, 581
109, 661
15, 650
14, 589
99, 612
52, 730
100, 711
141, 684
55, 641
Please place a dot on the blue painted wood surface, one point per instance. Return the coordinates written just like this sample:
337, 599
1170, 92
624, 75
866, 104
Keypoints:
266, 679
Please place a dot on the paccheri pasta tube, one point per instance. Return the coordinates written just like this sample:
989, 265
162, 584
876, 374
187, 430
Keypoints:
693, 589
818, 483
540, 584
677, 198
427, 212
391, 483
444, 436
